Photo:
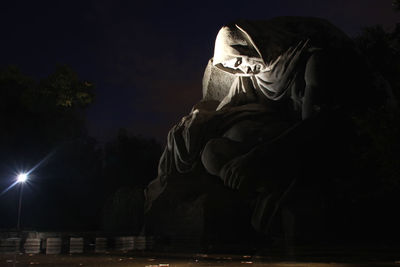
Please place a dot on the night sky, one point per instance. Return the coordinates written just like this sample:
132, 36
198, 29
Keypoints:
147, 58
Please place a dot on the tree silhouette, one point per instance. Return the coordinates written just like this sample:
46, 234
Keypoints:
396, 5
43, 121
130, 163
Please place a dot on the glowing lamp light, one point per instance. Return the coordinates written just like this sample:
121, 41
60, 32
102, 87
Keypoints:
22, 177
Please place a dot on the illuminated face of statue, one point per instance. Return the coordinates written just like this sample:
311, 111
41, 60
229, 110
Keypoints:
235, 53
246, 65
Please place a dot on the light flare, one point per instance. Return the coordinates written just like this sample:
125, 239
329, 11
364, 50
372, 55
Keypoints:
22, 177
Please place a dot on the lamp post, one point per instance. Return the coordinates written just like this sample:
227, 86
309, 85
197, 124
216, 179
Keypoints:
21, 179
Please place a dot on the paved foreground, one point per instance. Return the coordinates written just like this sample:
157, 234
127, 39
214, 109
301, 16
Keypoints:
127, 260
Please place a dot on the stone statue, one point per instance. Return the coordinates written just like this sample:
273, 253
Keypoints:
276, 120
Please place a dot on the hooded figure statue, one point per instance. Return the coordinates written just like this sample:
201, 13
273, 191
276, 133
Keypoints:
271, 128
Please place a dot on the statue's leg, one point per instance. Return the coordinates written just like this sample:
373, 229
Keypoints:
218, 151
238, 140
255, 132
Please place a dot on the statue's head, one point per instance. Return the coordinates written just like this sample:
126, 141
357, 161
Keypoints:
235, 52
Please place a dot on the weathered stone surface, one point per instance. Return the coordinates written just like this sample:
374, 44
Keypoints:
216, 83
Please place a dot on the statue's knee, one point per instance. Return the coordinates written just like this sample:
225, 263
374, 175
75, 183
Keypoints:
217, 152
210, 157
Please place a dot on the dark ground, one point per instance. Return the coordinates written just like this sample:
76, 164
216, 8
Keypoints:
305, 257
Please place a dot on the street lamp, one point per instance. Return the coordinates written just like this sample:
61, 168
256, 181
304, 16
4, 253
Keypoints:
21, 179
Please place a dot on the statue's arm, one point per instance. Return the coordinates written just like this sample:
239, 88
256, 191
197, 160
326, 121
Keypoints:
313, 114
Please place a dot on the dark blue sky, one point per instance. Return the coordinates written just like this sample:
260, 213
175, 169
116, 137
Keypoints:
147, 58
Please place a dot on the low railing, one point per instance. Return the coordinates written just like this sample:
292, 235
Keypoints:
61, 243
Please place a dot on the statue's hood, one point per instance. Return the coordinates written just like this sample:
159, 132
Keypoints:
268, 39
